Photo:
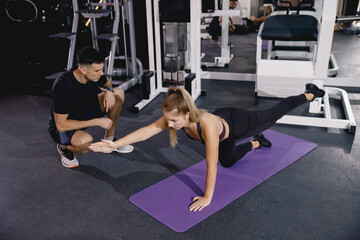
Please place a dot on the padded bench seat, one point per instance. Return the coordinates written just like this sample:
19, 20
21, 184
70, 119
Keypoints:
290, 28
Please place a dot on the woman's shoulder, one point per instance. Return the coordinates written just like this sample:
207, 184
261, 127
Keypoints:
206, 115
208, 119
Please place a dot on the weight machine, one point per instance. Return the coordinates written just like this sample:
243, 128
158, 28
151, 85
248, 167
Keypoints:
152, 81
114, 9
281, 77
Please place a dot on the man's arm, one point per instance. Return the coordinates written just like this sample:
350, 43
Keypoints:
109, 97
64, 124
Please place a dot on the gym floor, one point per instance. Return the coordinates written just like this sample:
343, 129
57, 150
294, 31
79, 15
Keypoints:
317, 197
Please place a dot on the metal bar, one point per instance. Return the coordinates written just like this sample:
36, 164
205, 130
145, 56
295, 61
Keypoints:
94, 33
315, 122
325, 38
150, 34
230, 76
157, 44
114, 39
327, 112
347, 18
132, 37
139, 64
128, 84
216, 13
347, 107
225, 48
124, 39
74, 36
196, 22
150, 41
342, 82
152, 96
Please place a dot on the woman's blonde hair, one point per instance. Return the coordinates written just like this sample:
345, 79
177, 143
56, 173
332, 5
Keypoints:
177, 98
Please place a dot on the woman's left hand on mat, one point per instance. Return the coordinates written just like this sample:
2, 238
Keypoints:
199, 203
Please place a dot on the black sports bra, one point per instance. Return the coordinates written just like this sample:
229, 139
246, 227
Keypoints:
221, 135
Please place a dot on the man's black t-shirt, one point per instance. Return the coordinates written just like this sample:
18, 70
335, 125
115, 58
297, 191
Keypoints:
80, 101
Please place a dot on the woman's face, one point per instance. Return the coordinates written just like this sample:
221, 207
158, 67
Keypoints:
176, 120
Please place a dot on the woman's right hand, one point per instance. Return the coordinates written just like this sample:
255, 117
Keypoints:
105, 146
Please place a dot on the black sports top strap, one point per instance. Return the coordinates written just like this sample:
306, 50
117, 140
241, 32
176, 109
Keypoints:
222, 134
199, 131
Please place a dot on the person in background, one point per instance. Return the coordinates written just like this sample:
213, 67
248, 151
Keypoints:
215, 27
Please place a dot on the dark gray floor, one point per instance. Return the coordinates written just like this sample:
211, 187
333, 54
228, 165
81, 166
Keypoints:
244, 50
346, 48
315, 198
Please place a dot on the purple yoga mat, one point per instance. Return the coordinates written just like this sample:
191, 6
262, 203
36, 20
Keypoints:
168, 200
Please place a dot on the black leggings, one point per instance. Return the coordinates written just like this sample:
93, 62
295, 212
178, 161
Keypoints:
257, 121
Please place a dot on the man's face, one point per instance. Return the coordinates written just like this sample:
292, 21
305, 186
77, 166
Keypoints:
94, 71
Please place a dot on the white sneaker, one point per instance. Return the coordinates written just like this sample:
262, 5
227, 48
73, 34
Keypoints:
124, 149
67, 158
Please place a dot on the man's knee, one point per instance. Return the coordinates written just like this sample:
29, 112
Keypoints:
119, 93
82, 140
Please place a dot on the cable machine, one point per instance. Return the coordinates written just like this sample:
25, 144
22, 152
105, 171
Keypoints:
119, 12
185, 11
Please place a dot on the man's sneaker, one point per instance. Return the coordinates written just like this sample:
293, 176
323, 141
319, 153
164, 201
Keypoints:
262, 140
67, 158
123, 149
312, 88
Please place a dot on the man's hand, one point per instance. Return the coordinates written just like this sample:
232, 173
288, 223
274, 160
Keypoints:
199, 203
109, 100
105, 123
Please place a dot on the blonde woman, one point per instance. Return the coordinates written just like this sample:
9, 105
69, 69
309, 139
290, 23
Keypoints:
218, 131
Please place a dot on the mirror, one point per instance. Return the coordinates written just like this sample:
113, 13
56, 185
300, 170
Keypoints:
241, 56
238, 55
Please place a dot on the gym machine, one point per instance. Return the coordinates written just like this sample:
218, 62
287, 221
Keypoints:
282, 77
348, 17
175, 19
114, 9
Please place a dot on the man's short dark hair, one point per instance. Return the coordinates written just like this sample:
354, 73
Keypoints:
89, 55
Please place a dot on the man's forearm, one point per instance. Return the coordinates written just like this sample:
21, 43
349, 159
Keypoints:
70, 124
